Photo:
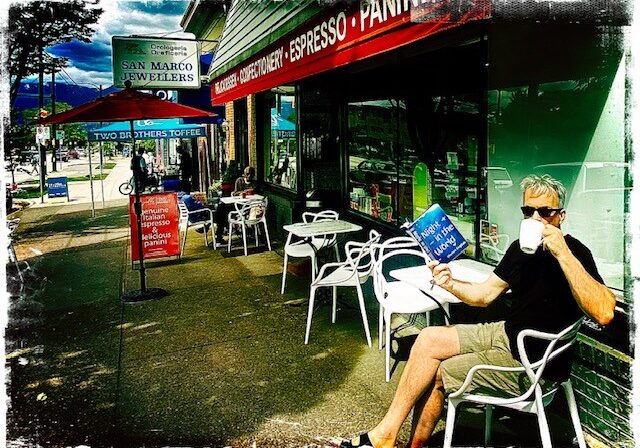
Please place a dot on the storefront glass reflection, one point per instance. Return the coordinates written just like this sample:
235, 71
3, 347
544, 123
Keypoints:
280, 168
572, 130
406, 155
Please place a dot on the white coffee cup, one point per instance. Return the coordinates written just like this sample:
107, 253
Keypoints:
530, 235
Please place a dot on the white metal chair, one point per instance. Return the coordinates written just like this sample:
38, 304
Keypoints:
308, 249
533, 400
396, 296
355, 271
184, 224
249, 214
12, 225
494, 246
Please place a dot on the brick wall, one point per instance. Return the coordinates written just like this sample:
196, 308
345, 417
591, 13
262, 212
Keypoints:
231, 140
601, 377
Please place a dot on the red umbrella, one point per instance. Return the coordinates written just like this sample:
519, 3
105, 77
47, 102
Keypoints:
126, 104
130, 105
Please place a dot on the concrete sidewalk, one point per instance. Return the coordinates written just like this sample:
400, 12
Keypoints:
219, 362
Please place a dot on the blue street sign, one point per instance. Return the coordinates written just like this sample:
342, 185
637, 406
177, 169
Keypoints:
58, 187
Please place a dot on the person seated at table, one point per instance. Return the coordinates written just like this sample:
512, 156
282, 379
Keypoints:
551, 289
244, 184
193, 205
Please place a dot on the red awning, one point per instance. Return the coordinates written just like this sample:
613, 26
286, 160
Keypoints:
346, 33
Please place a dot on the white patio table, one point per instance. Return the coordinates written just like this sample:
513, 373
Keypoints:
321, 228
235, 199
420, 277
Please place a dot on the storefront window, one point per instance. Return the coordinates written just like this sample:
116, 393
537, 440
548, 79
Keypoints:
280, 163
573, 130
318, 126
405, 156
375, 176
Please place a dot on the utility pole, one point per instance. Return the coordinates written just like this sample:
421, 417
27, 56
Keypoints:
101, 162
41, 148
53, 112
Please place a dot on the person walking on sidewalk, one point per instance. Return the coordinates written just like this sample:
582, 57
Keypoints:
551, 289
139, 169
186, 170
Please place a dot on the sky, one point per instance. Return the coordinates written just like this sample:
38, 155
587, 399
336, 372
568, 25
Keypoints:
91, 62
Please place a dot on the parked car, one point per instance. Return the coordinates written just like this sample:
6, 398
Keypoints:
498, 177
73, 154
594, 189
373, 171
62, 155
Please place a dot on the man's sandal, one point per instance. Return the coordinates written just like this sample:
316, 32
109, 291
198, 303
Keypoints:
361, 441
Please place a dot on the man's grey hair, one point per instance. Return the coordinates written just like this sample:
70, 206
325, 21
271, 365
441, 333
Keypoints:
544, 184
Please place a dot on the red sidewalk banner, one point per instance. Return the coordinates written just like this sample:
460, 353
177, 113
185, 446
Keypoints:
160, 233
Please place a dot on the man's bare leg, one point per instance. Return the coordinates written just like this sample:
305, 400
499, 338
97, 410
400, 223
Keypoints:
433, 345
426, 413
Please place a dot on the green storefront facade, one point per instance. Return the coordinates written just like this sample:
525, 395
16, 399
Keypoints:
395, 106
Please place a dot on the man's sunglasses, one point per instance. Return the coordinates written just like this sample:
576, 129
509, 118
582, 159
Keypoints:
544, 212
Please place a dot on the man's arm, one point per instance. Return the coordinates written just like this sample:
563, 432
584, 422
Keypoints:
237, 187
473, 294
593, 297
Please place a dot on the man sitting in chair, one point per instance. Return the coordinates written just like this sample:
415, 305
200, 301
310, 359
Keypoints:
193, 205
551, 289
244, 184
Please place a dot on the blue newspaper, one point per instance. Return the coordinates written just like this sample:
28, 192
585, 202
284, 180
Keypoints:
437, 235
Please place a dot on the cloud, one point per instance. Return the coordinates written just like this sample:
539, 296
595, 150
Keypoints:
91, 61
156, 7
94, 56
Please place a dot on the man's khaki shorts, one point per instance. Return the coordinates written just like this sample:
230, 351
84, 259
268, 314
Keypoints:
483, 344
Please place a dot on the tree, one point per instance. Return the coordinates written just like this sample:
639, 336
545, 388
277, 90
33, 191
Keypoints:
33, 26
72, 131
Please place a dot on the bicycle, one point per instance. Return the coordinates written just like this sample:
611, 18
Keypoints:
152, 183
126, 188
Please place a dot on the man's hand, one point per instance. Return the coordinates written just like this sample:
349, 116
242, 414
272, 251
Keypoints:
553, 241
441, 274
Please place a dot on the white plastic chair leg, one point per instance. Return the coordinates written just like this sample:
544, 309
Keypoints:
312, 297
451, 420
573, 411
244, 239
184, 238
487, 424
255, 228
229, 242
363, 313
14, 258
387, 347
314, 268
380, 327
213, 236
284, 272
266, 234
545, 436
333, 307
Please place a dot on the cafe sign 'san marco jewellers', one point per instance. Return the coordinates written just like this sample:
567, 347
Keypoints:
349, 32
156, 63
